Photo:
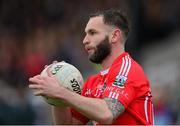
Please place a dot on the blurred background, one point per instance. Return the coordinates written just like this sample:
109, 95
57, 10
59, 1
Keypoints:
34, 33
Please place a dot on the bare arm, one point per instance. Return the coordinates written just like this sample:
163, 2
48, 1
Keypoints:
103, 111
99, 110
115, 107
62, 115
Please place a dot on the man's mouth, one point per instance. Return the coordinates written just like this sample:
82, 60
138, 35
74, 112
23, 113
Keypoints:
89, 49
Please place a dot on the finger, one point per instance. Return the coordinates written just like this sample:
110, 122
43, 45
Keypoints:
54, 62
38, 93
45, 66
63, 61
36, 80
39, 77
49, 73
34, 86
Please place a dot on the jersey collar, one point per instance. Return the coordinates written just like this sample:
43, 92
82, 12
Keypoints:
104, 72
119, 58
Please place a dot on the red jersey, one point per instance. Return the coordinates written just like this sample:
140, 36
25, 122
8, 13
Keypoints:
126, 82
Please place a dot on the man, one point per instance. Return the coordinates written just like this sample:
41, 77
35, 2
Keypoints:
119, 94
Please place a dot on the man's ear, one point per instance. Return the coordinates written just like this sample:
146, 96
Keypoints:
116, 36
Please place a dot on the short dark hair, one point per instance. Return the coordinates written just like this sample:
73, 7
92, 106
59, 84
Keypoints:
115, 18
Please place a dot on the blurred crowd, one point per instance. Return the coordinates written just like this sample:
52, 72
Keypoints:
34, 33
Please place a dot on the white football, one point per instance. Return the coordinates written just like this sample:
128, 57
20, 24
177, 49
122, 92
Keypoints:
68, 77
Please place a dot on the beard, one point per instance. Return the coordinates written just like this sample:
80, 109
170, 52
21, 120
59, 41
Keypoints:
103, 49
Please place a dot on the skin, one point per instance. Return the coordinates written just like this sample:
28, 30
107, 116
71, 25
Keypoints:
96, 31
103, 49
115, 107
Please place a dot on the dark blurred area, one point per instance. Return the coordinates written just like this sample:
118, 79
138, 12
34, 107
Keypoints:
34, 33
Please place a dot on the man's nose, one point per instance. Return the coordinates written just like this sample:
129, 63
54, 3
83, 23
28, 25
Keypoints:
86, 40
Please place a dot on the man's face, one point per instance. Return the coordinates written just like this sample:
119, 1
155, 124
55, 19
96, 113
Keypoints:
101, 51
96, 40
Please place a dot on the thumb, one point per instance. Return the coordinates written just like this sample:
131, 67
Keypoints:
49, 72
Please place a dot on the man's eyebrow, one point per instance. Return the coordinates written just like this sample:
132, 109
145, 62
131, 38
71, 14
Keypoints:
90, 30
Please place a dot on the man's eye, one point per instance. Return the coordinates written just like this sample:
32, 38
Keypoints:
92, 33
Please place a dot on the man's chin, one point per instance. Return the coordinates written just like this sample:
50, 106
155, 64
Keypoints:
90, 54
94, 60
89, 57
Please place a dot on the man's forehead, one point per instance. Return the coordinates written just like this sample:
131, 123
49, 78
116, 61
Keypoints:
95, 22
96, 19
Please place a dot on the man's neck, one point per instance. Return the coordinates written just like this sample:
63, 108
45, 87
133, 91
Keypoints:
110, 59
